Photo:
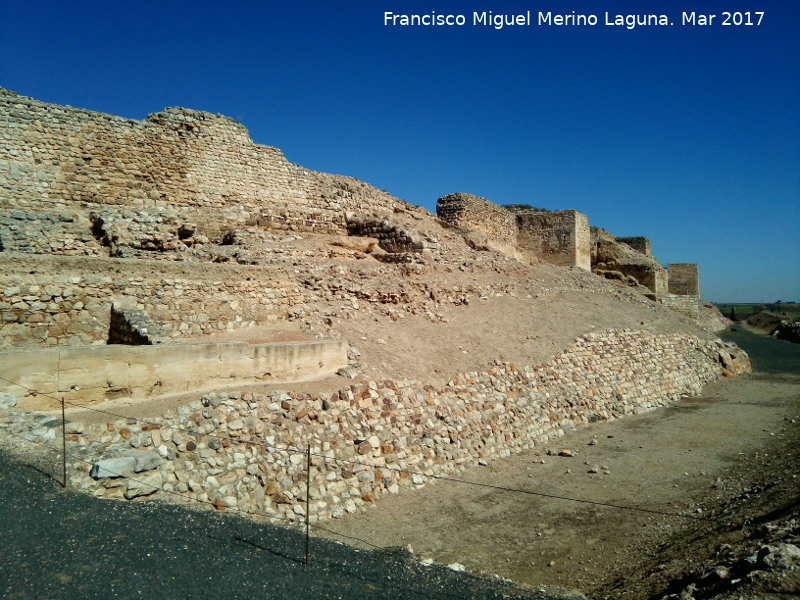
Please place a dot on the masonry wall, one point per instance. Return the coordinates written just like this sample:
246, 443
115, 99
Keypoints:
390, 237
95, 373
562, 238
650, 275
478, 214
640, 244
684, 279
132, 328
685, 305
612, 256
246, 451
66, 301
58, 163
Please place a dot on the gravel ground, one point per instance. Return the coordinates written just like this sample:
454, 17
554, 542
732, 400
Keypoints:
60, 544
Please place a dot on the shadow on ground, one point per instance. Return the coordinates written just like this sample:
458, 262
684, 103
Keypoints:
60, 544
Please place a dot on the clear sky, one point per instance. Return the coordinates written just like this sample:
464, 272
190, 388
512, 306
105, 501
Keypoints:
688, 135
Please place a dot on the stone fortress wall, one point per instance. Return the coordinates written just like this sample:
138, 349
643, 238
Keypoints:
478, 214
684, 279
76, 183
86, 191
615, 259
58, 164
564, 238
80, 183
684, 289
72, 306
685, 305
561, 236
639, 243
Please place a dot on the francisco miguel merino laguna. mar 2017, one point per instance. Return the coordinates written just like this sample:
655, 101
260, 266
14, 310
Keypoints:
572, 19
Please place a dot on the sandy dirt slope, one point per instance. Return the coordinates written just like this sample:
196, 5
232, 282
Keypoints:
523, 315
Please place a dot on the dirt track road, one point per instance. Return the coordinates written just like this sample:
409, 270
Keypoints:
679, 460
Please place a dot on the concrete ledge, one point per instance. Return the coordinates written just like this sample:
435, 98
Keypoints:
92, 373
31, 369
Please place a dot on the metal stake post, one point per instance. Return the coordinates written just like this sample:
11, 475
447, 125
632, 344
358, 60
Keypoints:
308, 498
63, 442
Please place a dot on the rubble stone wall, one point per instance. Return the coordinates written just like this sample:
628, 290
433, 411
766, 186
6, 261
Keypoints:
651, 275
247, 451
66, 301
561, 238
59, 163
132, 328
478, 214
391, 238
615, 257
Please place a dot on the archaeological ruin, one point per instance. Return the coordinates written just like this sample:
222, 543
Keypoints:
172, 255
564, 238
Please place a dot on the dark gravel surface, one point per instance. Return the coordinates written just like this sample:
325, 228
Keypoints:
56, 543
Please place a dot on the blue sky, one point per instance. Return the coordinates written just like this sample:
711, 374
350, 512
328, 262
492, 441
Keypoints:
687, 135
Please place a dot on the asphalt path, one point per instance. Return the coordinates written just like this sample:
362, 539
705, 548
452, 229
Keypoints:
57, 543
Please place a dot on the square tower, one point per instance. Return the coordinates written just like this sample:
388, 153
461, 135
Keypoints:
684, 279
562, 237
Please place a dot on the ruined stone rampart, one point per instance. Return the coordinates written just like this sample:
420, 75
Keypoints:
478, 214
133, 327
614, 258
640, 244
684, 279
686, 305
565, 238
66, 301
561, 237
683, 290
390, 237
58, 164
245, 451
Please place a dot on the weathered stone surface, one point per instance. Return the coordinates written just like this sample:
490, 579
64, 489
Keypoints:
191, 190
559, 237
145, 461
99, 372
144, 484
122, 466
184, 186
617, 260
478, 214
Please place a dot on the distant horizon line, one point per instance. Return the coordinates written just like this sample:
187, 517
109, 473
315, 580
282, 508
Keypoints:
777, 302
